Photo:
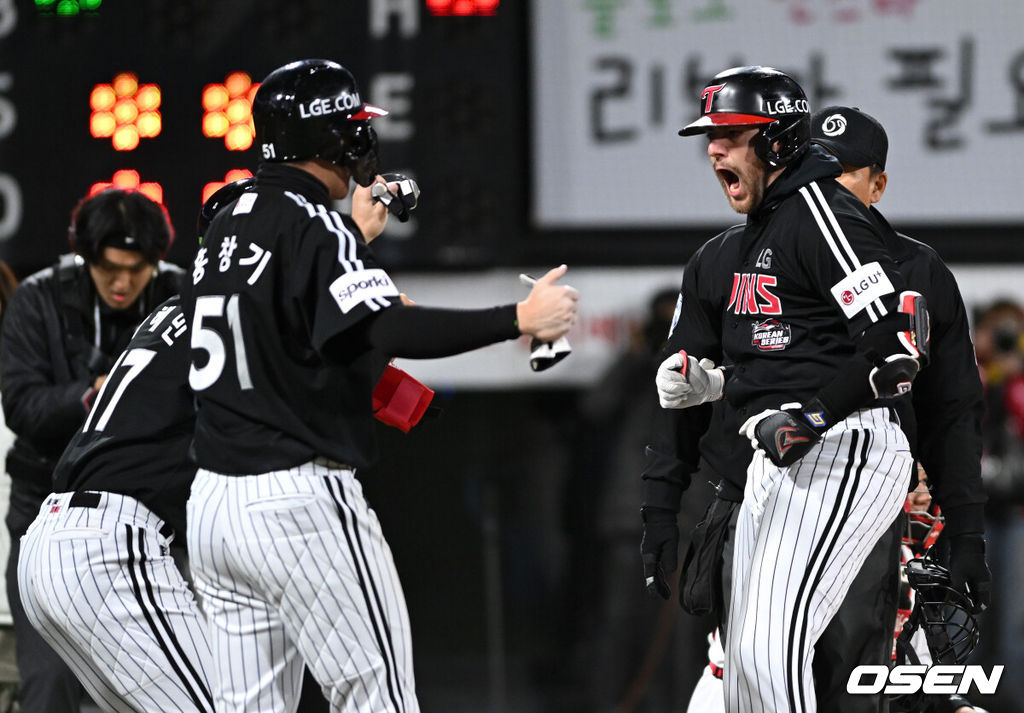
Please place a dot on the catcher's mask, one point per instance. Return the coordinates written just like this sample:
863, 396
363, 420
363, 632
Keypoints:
941, 612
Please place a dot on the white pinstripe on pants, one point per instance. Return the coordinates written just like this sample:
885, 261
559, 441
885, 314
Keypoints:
802, 535
292, 566
99, 585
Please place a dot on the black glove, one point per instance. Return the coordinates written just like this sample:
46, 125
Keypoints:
659, 548
789, 434
951, 704
968, 572
400, 202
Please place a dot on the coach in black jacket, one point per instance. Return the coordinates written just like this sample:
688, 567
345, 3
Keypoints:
63, 329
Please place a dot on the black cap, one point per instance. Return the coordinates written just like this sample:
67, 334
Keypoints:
855, 138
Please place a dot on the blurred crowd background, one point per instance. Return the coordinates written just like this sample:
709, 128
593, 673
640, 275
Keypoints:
543, 132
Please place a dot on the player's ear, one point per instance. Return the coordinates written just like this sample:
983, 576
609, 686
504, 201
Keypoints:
878, 183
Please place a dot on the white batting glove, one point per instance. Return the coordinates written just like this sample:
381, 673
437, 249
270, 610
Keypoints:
683, 381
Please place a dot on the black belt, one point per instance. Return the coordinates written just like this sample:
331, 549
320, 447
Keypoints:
82, 499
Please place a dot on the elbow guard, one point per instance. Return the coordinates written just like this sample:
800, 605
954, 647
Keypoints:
896, 363
894, 376
916, 338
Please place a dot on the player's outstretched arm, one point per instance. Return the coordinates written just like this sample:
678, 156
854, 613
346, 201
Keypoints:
423, 332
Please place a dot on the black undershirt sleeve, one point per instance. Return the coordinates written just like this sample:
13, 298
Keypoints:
426, 332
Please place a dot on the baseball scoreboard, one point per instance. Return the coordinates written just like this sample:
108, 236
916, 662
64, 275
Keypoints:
156, 95
539, 132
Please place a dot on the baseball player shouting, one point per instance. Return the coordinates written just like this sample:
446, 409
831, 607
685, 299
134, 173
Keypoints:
945, 421
292, 323
805, 307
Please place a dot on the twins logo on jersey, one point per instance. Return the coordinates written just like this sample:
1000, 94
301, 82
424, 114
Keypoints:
751, 294
771, 335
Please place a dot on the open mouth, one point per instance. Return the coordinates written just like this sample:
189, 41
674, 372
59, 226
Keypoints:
730, 179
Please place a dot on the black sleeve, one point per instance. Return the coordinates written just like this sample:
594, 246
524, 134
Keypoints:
672, 455
949, 405
426, 332
849, 263
39, 405
673, 452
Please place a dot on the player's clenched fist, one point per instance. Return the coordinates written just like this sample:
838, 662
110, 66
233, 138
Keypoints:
550, 309
683, 381
371, 216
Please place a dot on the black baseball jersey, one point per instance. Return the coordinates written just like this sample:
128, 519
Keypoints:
944, 423
279, 275
783, 301
135, 439
58, 336
813, 275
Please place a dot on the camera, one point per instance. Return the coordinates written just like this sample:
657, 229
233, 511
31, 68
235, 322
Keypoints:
1006, 339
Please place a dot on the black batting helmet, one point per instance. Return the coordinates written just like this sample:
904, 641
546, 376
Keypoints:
228, 193
311, 109
761, 97
941, 612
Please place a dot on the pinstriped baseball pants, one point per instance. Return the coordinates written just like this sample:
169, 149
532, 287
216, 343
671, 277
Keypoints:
99, 585
292, 566
802, 534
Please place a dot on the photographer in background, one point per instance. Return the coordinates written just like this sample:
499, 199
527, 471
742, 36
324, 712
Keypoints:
999, 344
63, 328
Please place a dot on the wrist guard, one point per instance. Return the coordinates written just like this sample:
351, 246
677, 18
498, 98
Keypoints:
788, 435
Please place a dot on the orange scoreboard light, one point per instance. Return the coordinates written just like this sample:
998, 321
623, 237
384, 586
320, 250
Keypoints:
129, 179
227, 111
125, 111
462, 8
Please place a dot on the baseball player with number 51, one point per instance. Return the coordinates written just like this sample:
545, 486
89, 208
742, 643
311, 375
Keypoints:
806, 310
292, 324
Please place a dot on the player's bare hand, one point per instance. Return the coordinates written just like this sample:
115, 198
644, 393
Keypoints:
370, 215
98, 381
549, 311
